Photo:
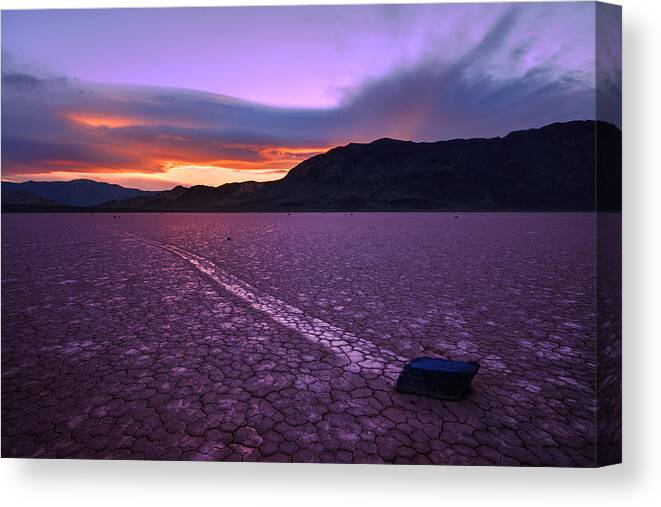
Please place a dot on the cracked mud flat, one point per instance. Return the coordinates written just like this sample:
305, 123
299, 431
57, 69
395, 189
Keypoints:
153, 336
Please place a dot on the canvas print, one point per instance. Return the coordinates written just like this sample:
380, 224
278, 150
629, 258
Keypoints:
315, 234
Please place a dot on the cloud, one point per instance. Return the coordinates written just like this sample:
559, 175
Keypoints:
512, 77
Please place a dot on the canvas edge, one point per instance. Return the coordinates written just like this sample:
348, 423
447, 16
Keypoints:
608, 225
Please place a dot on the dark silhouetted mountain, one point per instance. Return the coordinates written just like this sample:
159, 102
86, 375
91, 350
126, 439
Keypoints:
550, 168
152, 200
79, 193
22, 198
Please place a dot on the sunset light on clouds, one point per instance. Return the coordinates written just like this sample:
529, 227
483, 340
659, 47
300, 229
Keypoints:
258, 90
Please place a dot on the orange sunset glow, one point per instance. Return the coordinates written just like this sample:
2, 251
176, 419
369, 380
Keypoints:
157, 154
102, 121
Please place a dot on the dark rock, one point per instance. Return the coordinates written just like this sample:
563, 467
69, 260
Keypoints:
433, 377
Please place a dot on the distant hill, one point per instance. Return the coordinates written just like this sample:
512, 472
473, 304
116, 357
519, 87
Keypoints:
22, 198
545, 169
81, 193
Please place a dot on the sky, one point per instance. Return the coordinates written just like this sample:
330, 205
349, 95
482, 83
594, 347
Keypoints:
152, 98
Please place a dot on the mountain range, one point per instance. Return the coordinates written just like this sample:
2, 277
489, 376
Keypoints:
552, 168
80, 193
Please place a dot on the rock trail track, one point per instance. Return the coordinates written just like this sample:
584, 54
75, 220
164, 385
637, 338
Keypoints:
361, 353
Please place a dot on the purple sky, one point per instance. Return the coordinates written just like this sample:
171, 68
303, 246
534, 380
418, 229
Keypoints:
153, 97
